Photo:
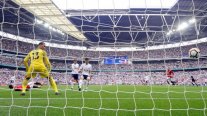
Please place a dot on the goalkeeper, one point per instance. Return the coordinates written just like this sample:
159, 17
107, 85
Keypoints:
39, 63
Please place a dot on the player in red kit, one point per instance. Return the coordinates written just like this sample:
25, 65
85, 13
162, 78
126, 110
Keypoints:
170, 75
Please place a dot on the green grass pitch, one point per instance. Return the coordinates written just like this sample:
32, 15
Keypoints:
106, 100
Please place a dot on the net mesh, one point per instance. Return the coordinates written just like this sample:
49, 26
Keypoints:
137, 85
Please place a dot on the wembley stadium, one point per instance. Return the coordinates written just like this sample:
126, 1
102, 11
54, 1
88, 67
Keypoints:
103, 58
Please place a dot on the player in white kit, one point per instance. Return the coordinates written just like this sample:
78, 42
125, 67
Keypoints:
75, 74
12, 80
86, 69
147, 80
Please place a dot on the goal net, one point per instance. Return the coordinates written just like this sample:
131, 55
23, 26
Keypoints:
138, 51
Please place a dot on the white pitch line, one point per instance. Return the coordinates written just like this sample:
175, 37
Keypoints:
104, 98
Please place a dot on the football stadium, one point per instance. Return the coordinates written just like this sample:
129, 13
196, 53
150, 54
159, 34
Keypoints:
103, 58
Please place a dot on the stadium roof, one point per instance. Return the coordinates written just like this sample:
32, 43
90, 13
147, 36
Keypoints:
184, 20
129, 48
113, 4
48, 12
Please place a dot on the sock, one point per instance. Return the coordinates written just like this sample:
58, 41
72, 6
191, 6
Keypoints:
87, 83
80, 82
24, 84
72, 83
84, 83
53, 84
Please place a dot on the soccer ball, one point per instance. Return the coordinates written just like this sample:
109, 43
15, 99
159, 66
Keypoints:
194, 53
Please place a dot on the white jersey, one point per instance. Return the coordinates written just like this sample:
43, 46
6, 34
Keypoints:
31, 84
12, 80
147, 78
75, 68
86, 68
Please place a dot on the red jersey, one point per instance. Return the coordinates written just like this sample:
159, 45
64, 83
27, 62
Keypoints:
170, 73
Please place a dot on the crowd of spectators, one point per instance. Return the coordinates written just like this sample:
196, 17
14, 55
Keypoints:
64, 54
110, 74
168, 53
111, 78
162, 65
